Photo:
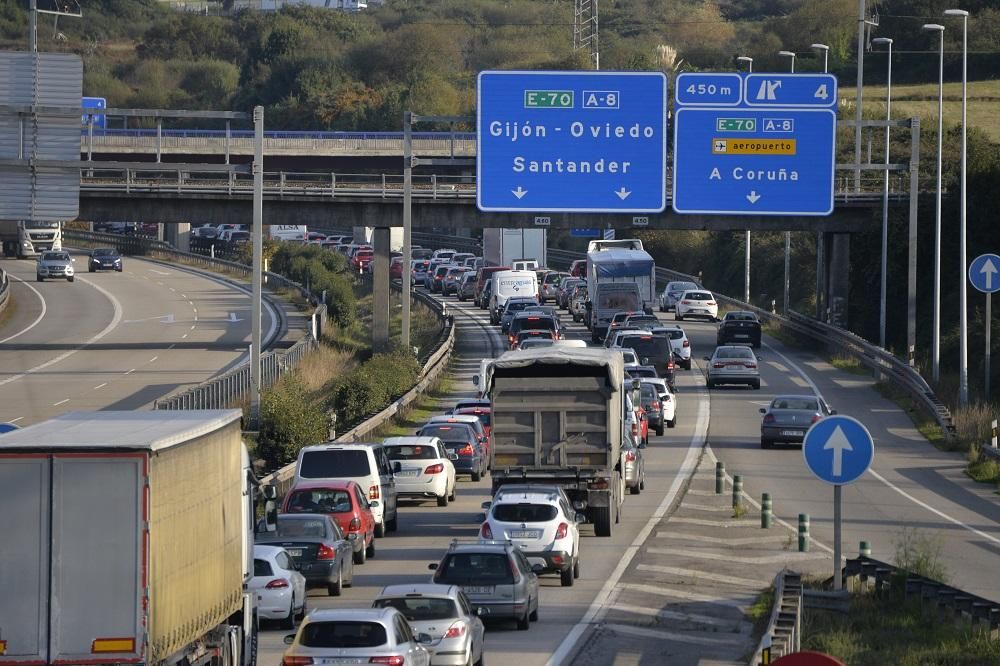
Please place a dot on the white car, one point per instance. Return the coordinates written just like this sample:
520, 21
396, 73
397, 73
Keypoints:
678, 341
357, 636
673, 292
697, 303
444, 613
280, 588
667, 403
426, 468
541, 521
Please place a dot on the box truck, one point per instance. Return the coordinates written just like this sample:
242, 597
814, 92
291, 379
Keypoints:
502, 247
127, 539
621, 276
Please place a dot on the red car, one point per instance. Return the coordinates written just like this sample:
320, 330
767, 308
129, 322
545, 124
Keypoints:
485, 415
396, 268
362, 260
578, 268
345, 503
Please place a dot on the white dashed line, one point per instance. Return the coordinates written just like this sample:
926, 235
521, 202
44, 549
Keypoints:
185, 335
61, 402
15, 420
129, 372
173, 290
153, 359
99, 386
192, 328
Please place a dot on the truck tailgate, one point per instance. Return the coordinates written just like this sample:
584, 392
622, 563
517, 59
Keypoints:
72, 566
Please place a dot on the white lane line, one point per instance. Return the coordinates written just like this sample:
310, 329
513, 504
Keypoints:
152, 360
672, 636
129, 372
37, 319
701, 576
708, 522
729, 557
674, 615
173, 290
115, 320
674, 593
185, 335
99, 386
61, 402
192, 328
706, 507
15, 420
568, 644
722, 541
937, 512
184, 296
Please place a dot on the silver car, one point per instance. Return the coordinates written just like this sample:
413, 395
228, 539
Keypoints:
672, 293
444, 613
356, 636
635, 466
467, 287
788, 417
54, 264
733, 364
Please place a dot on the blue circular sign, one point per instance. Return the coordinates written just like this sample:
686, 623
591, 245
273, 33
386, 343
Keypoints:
7, 427
984, 273
838, 449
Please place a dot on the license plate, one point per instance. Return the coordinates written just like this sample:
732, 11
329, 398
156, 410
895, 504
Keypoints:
294, 552
478, 589
408, 473
791, 433
341, 660
742, 335
524, 534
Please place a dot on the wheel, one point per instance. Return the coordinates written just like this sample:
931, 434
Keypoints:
710, 384
70, 278
662, 309
304, 609
334, 589
360, 555
566, 577
289, 621
523, 623
756, 385
40, 278
476, 475
576, 567
659, 430
379, 530
482, 658
634, 490
370, 551
393, 524
602, 520
91, 270
451, 497
442, 500
533, 616
765, 444
642, 481
672, 423
677, 317
687, 364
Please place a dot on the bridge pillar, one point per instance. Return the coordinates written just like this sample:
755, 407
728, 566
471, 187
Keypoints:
838, 271
178, 235
380, 289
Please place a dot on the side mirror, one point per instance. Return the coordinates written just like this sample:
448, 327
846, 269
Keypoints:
762, 410
645, 360
289, 639
580, 517
269, 492
270, 516
475, 380
579, 505
373, 504
452, 456
485, 506
482, 611
397, 466
433, 566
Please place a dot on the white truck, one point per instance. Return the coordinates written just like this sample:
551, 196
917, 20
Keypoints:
30, 238
128, 539
288, 232
502, 247
621, 276
365, 236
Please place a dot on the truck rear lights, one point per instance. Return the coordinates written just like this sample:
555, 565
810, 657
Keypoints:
630, 456
325, 552
768, 418
277, 584
434, 469
598, 484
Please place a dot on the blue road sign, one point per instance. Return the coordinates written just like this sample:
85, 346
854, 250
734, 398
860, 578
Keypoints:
585, 233
838, 449
709, 89
571, 142
100, 120
813, 91
7, 427
983, 273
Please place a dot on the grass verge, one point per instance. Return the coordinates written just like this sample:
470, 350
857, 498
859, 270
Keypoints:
419, 412
759, 613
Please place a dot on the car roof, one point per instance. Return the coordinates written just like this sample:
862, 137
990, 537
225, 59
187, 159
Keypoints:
337, 484
334, 446
353, 614
453, 418
533, 495
419, 590
792, 396
480, 546
411, 440
266, 549
527, 487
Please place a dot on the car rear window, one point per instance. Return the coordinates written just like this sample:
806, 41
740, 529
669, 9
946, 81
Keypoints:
698, 296
262, 568
647, 346
642, 371
484, 417
447, 432
420, 609
795, 403
411, 452
734, 352
475, 569
532, 324
524, 513
343, 634
319, 500
334, 464
301, 527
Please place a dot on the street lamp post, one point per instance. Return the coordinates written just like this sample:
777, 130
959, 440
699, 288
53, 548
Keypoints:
963, 319
936, 337
826, 55
885, 196
746, 251
820, 259
788, 234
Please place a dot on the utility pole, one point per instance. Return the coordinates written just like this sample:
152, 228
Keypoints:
586, 30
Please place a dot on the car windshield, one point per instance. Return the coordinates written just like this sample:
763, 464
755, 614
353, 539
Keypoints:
55, 256
475, 569
334, 464
411, 452
104, 252
320, 500
698, 296
342, 634
419, 609
524, 513
795, 403
293, 526
733, 352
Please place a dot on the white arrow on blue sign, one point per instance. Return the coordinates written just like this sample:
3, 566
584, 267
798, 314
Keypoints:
983, 273
838, 449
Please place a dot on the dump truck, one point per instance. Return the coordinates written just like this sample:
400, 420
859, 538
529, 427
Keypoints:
127, 539
557, 418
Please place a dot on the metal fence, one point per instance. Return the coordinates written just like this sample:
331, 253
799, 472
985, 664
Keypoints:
4, 289
783, 634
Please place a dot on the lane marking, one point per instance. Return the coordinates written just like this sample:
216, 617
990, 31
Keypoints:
37, 319
15, 420
673, 636
675, 615
115, 320
705, 507
61, 402
100, 386
724, 541
185, 335
153, 359
697, 444
728, 557
129, 372
700, 575
708, 522
658, 590
192, 328
173, 290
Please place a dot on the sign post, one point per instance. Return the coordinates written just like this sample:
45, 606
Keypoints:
983, 276
838, 450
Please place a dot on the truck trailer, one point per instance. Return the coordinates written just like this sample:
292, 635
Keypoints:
29, 238
502, 247
127, 539
557, 417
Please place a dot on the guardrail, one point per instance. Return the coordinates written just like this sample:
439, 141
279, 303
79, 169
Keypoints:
4, 289
783, 634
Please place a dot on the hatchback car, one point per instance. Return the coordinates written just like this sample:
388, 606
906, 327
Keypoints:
280, 588
342, 500
733, 364
55, 265
679, 343
438, 277
526, 339
356, 636
634, 464
548, 285
467, 287
578, 302
470, 419
665, 403
530, 321
418, 271
673, 292
426, 468
452, 280
104, 259
512, 308
541, 522
698, 303
565, 290
494, 575
788, 417
444, 613
318, 547
463, 440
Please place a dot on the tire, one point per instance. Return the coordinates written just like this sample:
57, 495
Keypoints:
634, 490
288, 622
765, 444
451, 497
91, 270
70, 279
360, 555
576, 567
370, 551
566, 577
482, 657
393, 524
523, 624
442, 500
305, 607
687, 364
602, 520
659, 430
533, 615
379, 530
756, 385
677, 317
662, 309
672, 423
334, 589
476, 475
710, 384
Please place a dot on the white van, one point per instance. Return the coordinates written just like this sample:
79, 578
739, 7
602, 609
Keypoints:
507, 284
366, 463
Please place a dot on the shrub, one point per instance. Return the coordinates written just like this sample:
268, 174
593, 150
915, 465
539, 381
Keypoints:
371, 386
289, 421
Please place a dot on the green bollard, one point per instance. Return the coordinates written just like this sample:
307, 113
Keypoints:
865, 550
765, 511
737, 490
720, 478
803, 532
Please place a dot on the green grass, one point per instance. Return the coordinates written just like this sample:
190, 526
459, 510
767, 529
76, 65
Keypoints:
924, 424
429, 404
984, 471
759, 613
849, 364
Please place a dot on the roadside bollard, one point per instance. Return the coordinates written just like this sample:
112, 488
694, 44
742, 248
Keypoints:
737, 491
803, 532
865, 550
765, 511
720, 478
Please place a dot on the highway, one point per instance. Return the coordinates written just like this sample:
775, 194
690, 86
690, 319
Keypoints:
912, 487
116, 340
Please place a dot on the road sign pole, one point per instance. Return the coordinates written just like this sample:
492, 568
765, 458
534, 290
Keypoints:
989, 321
407, 226
746, 270
838, 579
788, 263
257, 232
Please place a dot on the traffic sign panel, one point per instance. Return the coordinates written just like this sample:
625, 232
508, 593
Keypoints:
815, 91
838, 449
571, 141
709, 89
585, 233
983, 273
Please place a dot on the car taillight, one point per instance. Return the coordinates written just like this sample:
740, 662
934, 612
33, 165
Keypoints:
718, 365
562, 530
670, 364
434, 469
325, 552
354, 525
654, 405
486, 531
635, 429
393, 660
816, 417
456, 630
514, 572
598, 484
768, 418
686, 302
686, 343
277, 584
750, 365
373, 493
466, 450
710, 303
630, 456
296, 661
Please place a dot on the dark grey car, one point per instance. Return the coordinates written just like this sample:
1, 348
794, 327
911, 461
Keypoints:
318, 546
788, 417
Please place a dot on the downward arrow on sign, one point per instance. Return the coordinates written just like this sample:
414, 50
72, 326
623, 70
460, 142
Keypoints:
988, 270
519, 192
838, 444
753, 197
622, 193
